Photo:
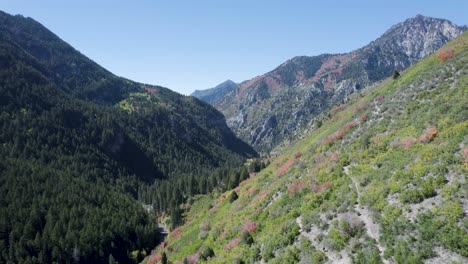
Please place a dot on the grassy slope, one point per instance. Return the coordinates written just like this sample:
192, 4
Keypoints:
382, 186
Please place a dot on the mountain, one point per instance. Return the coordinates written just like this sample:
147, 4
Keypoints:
382, 180
213, 95
270, 108
80, 145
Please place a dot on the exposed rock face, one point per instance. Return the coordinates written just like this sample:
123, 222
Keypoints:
303, 87
213, 95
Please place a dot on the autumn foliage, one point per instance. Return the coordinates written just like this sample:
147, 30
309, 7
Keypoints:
297, 155
250, 227
428, 134
318, 188
153, 259
362, 118
232, 243
285, 167
193, 259
444, 54
408, 142
295, 187
349, 125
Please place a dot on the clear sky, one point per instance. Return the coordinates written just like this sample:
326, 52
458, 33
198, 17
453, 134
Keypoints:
188, 45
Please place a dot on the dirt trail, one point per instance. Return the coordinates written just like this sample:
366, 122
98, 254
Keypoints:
373, 229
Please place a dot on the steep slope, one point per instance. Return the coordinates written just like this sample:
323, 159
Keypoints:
173, 123
269, 108
213, 95
78, 144
383, 180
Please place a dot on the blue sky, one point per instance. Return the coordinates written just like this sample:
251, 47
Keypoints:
188, 45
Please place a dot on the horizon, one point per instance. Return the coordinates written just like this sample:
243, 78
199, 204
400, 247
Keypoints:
200, 45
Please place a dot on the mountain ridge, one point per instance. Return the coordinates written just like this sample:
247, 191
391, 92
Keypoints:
382, 180
271, 107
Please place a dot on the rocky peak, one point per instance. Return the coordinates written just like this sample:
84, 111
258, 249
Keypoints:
213, 95
418, 36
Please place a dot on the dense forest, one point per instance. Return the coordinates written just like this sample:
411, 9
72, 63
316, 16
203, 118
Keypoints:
83, 149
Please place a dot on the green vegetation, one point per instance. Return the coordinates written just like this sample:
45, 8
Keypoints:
81, 151
384, 178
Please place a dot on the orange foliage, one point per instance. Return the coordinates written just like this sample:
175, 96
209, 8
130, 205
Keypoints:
295, 187
232, 243
428, 134
331, 138
251, 191
408, 142
285, 167
362, 118
444, 54
242, 183
349, 125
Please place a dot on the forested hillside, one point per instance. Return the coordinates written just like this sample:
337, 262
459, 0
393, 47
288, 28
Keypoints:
382, 180
78, 146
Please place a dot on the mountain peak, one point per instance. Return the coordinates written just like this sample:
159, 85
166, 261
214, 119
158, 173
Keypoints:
213, 95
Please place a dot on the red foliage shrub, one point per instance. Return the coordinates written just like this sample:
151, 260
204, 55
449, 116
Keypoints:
295, 187
337, 109
260, 196
285, 167
193, 259
232, 243
153, 259
319, 188
242, 183
444, 54
339, 134
349, 125
362, 118
361, 106
250, 227
252, 191
333, 137
297, 155
408, 142
176, 233
428, 134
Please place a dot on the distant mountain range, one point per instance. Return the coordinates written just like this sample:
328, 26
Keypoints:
213, 95
269, 108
